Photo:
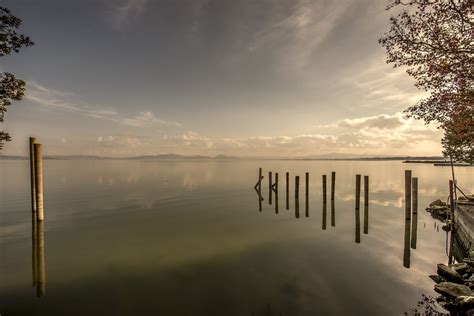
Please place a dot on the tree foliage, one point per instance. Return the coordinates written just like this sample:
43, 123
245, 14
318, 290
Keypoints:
11, 88
434, 40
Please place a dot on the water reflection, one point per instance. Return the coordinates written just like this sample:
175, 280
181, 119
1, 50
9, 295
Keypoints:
406, 245
333, 214
297, 197
38, 262
366, 205
324, 216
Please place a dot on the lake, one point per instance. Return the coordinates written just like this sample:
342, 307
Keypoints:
138, 237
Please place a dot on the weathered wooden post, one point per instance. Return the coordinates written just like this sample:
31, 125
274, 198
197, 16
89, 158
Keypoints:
333, 184
260, 179
366, 204
41, 281
287, 190
307, 194
414, 220
275, 186
270, 184
297, 196
32, 173
39, 181
451, 199
408, 194
324, 189
357, 193
357, 209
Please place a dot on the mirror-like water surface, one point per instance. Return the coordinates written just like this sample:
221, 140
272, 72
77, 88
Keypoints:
194, 238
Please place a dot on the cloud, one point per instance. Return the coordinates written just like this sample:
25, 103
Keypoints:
382, 121
121, 141
122, 11
66, 102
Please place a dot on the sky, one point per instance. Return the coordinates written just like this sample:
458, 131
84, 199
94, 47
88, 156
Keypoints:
273, 78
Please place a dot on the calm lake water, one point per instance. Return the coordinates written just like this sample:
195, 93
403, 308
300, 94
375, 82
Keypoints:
187, 238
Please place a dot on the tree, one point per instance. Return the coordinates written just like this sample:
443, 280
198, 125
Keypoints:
11, 88
434, 40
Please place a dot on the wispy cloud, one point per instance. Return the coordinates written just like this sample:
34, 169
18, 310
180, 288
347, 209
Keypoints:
121, 12
53, 99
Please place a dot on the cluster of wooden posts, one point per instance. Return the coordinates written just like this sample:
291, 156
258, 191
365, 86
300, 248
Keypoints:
273, 189
411, 216
37, 231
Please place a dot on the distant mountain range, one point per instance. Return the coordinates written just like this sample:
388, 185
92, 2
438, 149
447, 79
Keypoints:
332, 156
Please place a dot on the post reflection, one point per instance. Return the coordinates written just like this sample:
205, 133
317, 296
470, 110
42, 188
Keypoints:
324, 216
406, 243
357, 225
333, 214
260, 198
38, 262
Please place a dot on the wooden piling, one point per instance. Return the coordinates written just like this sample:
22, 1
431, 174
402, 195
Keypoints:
39, 181
366, 204
307, 194
324, 189
260, 177
287, 190
357, 192
408, 194
297, 196
333, 184
41, 281
32, 173
275, 187
451, 199
414, 219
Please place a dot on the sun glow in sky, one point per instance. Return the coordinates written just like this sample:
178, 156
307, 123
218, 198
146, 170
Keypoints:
250, 78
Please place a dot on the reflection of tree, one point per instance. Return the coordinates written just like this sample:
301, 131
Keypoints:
427, 306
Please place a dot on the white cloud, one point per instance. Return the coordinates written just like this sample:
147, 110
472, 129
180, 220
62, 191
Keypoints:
67, 102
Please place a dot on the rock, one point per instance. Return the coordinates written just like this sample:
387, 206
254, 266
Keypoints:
466, 302
436, 278
460, 268
452, 290
470, 312
438, 202
449, 274
471, 279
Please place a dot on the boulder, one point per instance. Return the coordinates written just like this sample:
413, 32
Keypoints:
452, 290
466, 302
436, 278
460, 268
438, 202
449, 274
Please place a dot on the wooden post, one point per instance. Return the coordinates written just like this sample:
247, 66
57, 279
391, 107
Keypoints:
357, 193
451, 199
324, 189
333, 184
357, 226
41, 281
366, 204
297, 196
39, 181
260, 179
276, 192
287, 190
307, 194
408, 194
414, 220
32, 173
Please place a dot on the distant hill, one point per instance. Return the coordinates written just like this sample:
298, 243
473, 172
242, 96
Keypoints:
333, 156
